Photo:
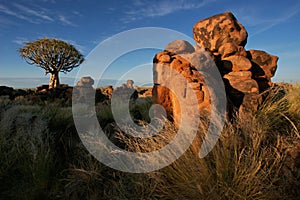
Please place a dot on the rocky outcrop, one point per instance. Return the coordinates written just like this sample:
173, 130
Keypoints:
63, 94
169, 98
84, 90
125, 91
246, 74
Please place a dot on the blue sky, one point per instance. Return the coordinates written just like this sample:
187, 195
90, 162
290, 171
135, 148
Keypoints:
273, 26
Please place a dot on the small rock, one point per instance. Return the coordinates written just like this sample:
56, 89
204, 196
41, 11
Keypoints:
242, 75
165, 59
129, 84
239, 63
267, 62
180, 47
228, 49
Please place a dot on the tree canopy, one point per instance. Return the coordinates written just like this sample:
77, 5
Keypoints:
53, 56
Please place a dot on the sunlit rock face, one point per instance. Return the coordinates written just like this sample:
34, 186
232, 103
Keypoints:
215, 31
246, 74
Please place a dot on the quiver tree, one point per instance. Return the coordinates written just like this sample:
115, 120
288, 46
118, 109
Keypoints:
53, 56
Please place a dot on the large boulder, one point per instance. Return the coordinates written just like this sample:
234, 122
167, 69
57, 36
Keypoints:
242, 82
211, 33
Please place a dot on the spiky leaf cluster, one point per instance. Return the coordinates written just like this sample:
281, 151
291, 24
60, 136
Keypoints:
52, 55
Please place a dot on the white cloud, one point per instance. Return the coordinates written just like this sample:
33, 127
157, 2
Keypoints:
143, 8
77, 13
277, 21
5, 10
20, 40
31, 12
79, 47
35, 14
257, 19
5, 22
65, 21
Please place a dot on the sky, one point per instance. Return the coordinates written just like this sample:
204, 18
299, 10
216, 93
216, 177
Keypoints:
273, 26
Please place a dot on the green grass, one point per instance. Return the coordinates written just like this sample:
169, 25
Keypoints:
42, 156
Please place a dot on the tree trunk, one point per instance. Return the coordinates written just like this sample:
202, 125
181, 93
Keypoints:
54, 80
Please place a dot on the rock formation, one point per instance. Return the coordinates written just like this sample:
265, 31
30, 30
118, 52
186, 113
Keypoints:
165, 96
107, 91
125, 91
215, 31
246, 74
144, 92
84, 90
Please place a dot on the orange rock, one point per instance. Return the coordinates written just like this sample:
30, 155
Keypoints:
164, 59
181, 92
239, 63
222, 38
245, 86
242, 75
211, 33
242, 51
265, 62
228, 49
161, 95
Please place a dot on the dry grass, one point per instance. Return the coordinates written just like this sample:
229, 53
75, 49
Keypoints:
42, 157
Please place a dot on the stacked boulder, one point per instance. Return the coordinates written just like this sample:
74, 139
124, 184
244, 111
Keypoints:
84, 91
246, 74
125, 91
176, 56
